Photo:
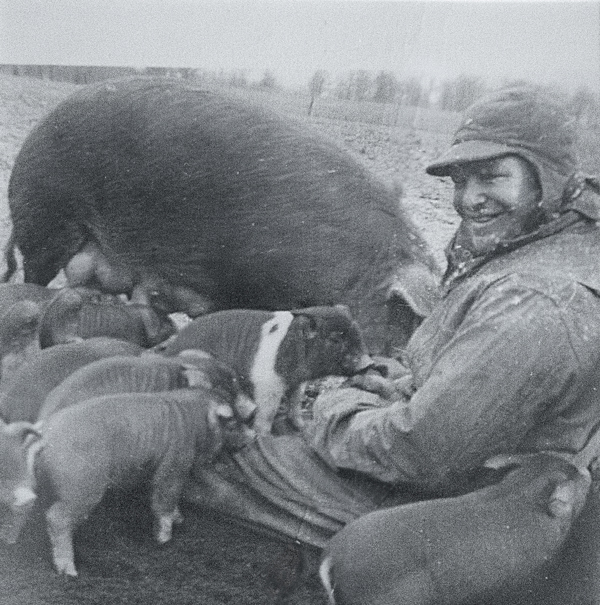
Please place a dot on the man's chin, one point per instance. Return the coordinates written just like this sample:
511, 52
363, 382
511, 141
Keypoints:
478, 238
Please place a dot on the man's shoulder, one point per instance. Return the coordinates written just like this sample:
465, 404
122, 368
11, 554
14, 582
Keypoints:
509, 289
572, 256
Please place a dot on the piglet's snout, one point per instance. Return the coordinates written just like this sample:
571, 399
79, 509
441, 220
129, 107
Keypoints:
23, 496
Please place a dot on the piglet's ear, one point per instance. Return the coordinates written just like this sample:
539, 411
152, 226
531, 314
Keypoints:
503, 461
25, 311
194, 355
196, 377
307, 326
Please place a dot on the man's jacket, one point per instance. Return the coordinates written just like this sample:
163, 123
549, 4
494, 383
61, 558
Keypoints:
508, 362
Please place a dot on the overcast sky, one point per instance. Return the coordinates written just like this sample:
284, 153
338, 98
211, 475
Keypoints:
541, 41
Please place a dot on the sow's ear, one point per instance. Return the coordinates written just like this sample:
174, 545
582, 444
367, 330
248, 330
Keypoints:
415, 285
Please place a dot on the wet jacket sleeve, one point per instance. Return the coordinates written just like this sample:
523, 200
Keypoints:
509, 360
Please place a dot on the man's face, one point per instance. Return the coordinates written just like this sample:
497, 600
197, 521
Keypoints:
497, 200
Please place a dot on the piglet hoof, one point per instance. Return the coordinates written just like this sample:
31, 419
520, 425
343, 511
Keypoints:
165, 532
164, 525
177, 517
8, 534
65, 567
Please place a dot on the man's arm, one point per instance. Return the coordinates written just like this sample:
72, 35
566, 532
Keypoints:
509, 360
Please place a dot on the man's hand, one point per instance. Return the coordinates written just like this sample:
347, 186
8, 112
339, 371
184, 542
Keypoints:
387, 378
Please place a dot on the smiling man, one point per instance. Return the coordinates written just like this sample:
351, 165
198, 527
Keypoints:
508, 362
497, 201
504, 364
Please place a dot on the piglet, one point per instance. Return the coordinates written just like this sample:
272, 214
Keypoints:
21, 306
116, 374
75, 314
106, 441
458, 550
24, 392
275, 353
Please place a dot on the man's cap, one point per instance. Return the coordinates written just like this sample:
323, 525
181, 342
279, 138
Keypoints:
531, 121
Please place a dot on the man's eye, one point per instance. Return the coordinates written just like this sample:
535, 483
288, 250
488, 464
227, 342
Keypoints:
337, 336
488, 177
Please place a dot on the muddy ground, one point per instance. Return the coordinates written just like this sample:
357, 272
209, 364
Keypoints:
209, 561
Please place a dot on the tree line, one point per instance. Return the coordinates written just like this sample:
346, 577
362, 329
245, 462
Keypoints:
86, 74
453, 94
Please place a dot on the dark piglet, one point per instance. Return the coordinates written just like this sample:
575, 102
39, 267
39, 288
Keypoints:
24, 393
106, 441
275, 353
74, 315
210, 202
462, 550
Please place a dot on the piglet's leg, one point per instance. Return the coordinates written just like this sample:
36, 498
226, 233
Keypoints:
294, 411
167, 487
61, 522
164, 525
267, 395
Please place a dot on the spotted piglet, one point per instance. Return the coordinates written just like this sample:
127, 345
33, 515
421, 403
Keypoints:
275, 353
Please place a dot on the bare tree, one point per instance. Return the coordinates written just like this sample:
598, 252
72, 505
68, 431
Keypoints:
461, 92
411, 91
238, 78
268, 80
585, 104
361, 83
316, 87
386, 87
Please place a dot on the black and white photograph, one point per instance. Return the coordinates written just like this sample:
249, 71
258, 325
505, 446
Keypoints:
299, 302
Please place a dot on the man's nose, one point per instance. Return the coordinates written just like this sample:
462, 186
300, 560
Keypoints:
469, 196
